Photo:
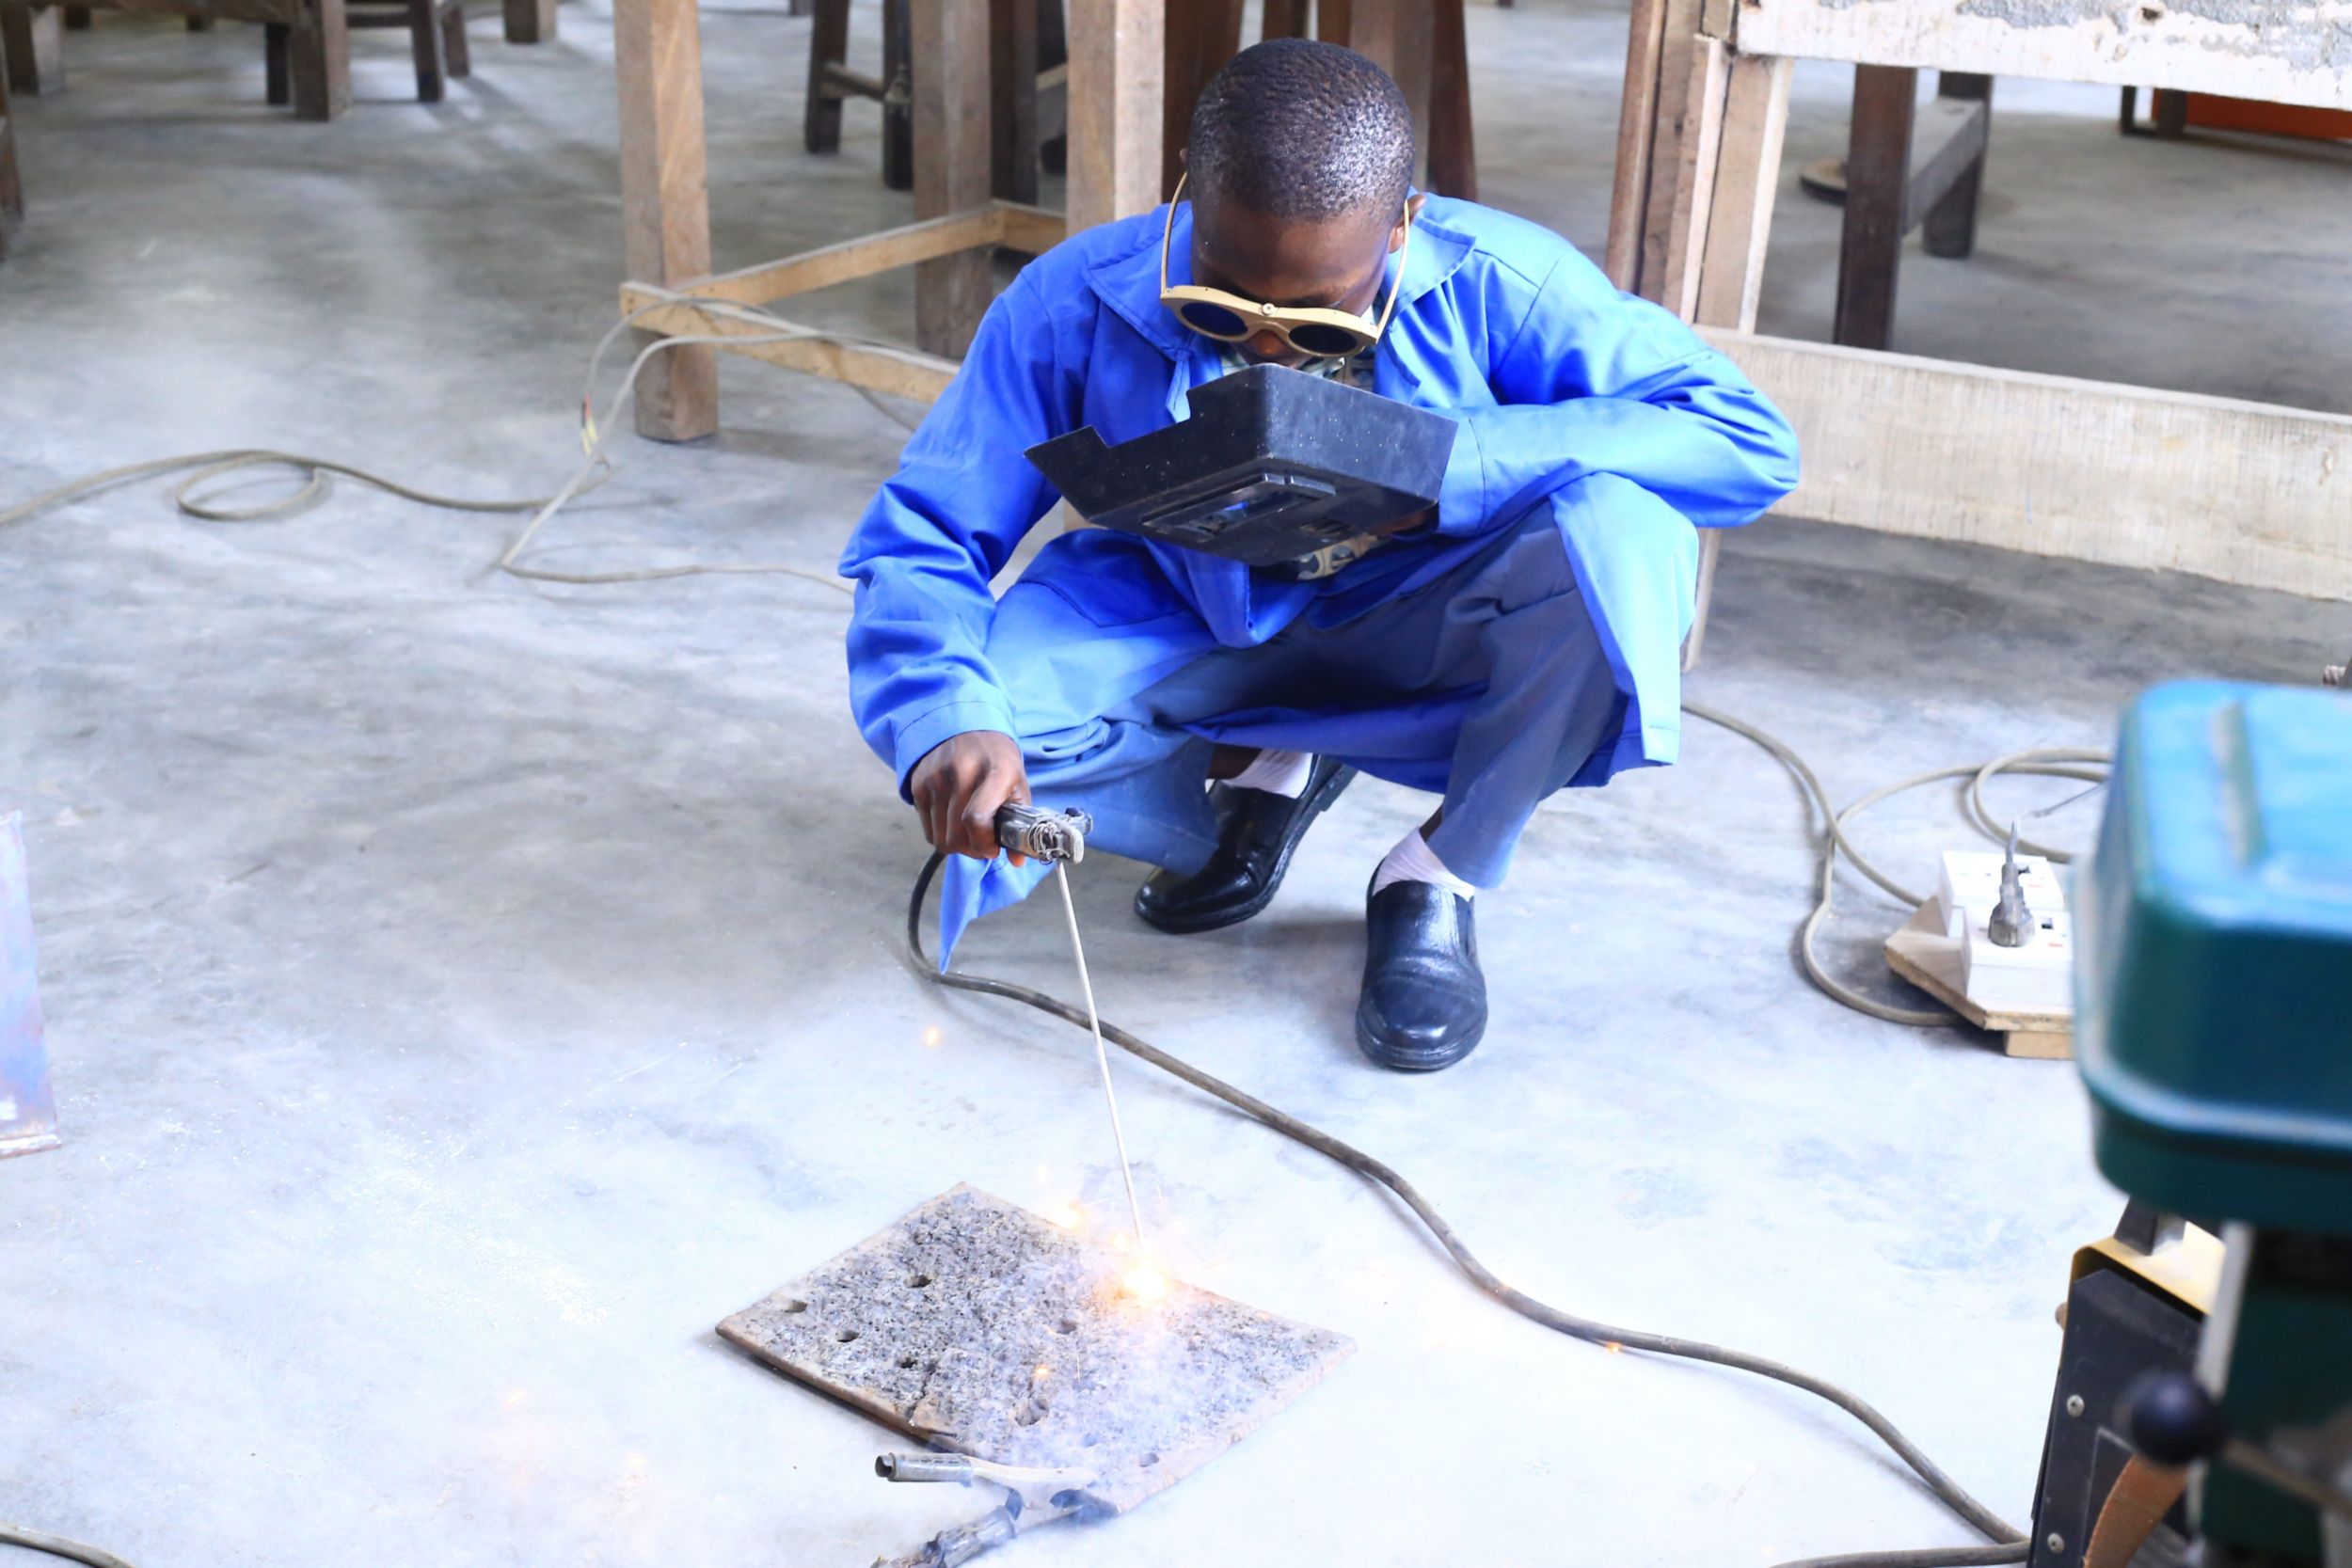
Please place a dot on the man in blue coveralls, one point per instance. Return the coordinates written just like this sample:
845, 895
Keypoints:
1524, 638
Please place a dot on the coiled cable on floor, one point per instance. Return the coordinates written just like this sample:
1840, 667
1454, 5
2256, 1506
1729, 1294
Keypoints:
2060, 762
593, 469
2007, 1537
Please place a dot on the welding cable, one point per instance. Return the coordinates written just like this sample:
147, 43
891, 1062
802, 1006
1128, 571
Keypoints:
2059, 763
1927, 1556
57, 1545
592, 471
1950, 1492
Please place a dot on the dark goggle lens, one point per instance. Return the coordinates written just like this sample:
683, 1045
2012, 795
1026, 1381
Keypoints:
1326, 342
1214, 320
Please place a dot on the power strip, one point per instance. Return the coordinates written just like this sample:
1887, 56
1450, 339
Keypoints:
2037, 977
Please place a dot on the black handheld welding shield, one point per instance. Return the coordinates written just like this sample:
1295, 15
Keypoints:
1272, 465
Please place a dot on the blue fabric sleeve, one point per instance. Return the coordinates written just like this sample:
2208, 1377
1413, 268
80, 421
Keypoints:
1593, 381
941, 529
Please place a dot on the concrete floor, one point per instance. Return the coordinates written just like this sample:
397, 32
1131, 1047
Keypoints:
463, 993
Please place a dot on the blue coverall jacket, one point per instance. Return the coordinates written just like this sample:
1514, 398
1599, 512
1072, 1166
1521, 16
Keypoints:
1553, 375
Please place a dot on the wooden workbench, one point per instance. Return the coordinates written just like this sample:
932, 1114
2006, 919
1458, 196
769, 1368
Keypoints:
2243, 492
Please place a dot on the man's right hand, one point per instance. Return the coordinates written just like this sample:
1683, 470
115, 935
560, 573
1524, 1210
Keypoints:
959, 786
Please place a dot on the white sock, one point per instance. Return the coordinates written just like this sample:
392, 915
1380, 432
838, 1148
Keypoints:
1413, 861
1277, 773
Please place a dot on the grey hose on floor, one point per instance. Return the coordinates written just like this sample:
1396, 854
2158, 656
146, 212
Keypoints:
57, 1545
2010, 1542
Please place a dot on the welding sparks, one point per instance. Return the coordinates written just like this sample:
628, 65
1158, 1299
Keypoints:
1068, 1216
514, 1398
1144, 1283
932, 1037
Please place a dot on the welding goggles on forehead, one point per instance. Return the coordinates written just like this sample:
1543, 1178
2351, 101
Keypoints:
1319, 332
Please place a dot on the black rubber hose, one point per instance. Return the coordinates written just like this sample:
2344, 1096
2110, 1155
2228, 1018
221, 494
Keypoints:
2011, 1544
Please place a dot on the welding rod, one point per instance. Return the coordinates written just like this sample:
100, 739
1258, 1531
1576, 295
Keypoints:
1102, 1056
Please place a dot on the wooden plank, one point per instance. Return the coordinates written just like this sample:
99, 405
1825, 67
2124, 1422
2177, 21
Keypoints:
1028, 229
1637, 126
1924, 956
1701, 144
1747, 182
1878, 167
899, 371
952, 171
665, 196
2279, 51
33, 38
530, 20
2247, 493
1675, 53
1115, 48
859, 258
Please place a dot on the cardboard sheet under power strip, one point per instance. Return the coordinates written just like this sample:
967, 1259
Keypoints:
974, 1326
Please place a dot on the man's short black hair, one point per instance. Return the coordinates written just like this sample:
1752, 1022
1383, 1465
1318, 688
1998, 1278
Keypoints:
1295, 129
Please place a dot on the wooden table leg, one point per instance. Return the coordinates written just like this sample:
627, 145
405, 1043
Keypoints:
33, 38
665, 196
1878, 172
425, 48
12, 187
949, 61
1285, 19
318, 50
1202, 35
1012, 99
1452, 151
530, 20
1738, 226
1115, 90
828, 46
898, 102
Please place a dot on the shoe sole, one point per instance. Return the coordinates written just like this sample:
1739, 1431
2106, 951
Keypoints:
1406, 1061
1316, 806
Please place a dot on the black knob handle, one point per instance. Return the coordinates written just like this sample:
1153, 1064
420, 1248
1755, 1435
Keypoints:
2172, 1420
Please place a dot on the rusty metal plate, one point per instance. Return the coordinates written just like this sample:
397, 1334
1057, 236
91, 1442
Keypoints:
974, 1326
29, 1119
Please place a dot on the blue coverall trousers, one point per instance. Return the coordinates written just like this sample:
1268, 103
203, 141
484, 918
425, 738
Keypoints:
1488, 686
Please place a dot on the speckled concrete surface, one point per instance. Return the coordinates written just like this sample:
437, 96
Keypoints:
462, 995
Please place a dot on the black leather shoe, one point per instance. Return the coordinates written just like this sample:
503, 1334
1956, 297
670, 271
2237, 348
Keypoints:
1256, 832
1425, 1002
